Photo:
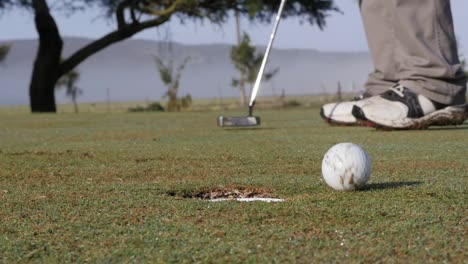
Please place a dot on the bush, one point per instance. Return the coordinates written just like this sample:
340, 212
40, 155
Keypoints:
156, 107
292, 103
178, 104
153, 107
186, 101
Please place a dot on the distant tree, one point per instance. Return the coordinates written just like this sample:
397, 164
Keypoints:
171, 78
69, 81
339, 92
247, 61
463, 63
242, 73
462, 58
4, 49
131, 17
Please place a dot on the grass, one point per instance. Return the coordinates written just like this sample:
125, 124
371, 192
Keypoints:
99, 187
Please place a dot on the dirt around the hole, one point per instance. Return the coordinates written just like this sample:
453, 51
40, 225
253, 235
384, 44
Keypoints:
232, 192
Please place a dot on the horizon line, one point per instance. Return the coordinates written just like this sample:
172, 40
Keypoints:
6, 41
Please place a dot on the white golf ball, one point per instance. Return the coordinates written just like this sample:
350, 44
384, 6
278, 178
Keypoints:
346, 167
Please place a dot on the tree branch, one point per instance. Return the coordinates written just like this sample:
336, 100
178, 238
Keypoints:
167, 11
107, 40
120, 13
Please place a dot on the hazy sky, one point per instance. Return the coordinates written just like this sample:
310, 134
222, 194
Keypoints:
343, 32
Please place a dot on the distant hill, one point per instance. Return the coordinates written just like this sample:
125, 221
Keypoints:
127, 69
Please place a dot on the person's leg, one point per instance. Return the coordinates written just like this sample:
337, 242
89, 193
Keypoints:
431, 84
378, 20
421, 55
427, 48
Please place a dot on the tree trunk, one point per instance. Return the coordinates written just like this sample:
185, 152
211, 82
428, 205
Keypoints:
243, 97
75, 105
46, 66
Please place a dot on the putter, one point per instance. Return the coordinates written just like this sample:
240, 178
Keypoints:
250, 120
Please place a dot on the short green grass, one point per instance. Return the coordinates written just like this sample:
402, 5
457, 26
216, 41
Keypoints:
99, 187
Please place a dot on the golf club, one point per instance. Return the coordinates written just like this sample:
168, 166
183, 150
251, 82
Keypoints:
250, 120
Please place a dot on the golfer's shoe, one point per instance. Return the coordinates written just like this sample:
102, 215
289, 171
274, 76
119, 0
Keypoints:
400, 108
340, 113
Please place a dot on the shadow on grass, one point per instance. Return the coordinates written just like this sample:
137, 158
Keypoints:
248, 128
434, 128
389, 185
460, 127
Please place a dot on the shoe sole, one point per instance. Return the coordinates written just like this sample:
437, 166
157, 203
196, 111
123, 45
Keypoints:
449, 116
332, 122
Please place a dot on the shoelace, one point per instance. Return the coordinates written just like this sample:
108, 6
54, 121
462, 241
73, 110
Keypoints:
399, 89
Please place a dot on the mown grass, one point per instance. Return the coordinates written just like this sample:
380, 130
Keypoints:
99, 187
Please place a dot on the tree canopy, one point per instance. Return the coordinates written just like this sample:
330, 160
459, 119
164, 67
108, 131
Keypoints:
217, 11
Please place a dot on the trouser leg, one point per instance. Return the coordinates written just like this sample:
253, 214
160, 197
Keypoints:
377, 17
427, 53
413, 43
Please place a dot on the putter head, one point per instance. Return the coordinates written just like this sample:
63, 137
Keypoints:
238, 121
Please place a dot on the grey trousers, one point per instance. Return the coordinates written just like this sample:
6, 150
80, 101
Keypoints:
412, 42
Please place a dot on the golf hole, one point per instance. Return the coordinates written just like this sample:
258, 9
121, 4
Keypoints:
233, 193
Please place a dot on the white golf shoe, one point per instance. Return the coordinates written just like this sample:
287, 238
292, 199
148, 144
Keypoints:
340, 113
400, 108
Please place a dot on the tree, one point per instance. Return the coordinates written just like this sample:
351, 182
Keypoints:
4, 49
69, 81
463, 66
462, 58
131, 17
171, 79
241, 83
339, 93
248, 61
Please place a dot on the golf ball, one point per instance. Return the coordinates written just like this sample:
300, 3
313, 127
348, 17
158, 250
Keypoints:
346, 167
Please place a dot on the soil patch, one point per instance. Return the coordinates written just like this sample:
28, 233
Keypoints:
229, 192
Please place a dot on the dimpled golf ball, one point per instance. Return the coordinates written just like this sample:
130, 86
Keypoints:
346, 167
